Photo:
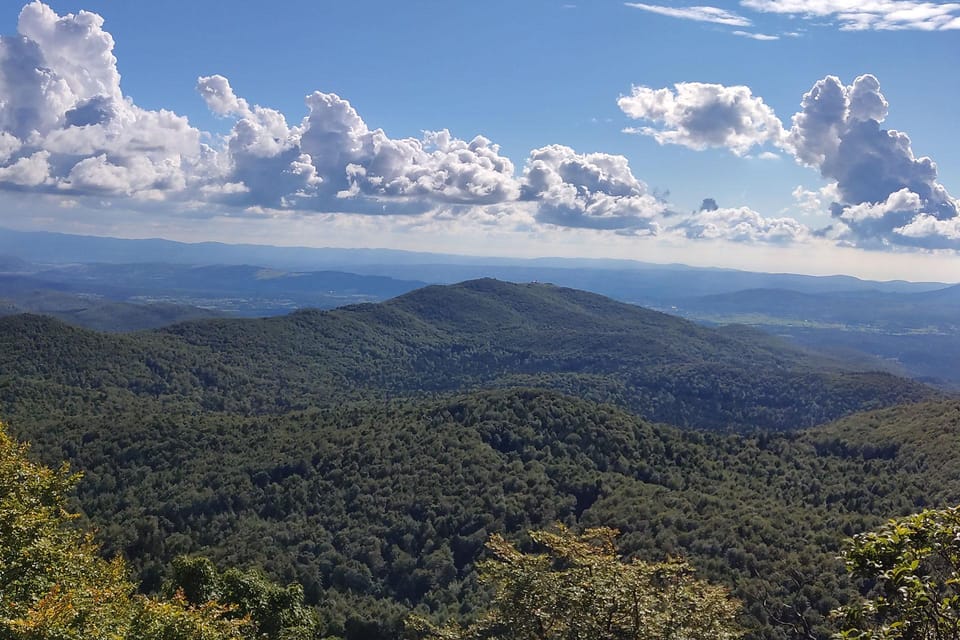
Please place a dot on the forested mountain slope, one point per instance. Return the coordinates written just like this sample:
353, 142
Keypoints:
378, 507
480, 333
356, 451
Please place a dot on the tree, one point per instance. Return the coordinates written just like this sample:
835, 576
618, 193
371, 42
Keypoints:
273, 611
54, 585
911, 568
578, 587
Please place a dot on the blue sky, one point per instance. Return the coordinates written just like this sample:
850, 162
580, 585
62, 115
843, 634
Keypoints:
525, 76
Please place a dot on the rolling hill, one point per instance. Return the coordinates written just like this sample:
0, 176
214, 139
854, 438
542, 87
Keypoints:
367, 452
482, 333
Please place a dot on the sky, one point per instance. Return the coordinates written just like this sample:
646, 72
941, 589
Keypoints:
810, 136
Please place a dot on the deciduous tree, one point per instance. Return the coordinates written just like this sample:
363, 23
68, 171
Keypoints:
912, 569
579, 587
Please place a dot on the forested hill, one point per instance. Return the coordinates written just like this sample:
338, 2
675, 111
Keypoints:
380, 507
478, 334
368, 452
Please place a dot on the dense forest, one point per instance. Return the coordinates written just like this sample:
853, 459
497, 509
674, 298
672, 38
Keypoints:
368, 453
479, 334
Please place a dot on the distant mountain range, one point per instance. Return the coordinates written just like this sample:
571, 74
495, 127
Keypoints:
911, 327
149, 295
624, 278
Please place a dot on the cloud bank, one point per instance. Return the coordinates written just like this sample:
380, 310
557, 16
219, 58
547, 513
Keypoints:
884, 195
67, 128
741, 224
332, 161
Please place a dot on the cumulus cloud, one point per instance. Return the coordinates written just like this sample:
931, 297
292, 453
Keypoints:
877, 187
741, 224
700, 115
261, 159
858, 15
66, 126
438, 166
594, 190
930, 232
29, 171
881, 186
699, 13
815, 202
903, 201
332, 161
9, 145
62, 111
220, 98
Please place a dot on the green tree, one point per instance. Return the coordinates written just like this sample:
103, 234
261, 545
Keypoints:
274, 612
911, 567
54, 585
579, 587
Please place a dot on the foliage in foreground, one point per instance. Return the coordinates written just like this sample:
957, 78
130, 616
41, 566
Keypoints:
273, 611
53, 582
580, 588
913, 565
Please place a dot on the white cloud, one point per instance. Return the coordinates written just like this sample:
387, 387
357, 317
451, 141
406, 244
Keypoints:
220, 98
65, 122
29, 171
60, 97
66, 127
594, 190
861, 15
699, 13
357, 161
67, 130
700, 115
881, 185
928, 231
763, 37
815, 202
903, 201
75, 48
333, 161
9, 145
878, 184
742, 224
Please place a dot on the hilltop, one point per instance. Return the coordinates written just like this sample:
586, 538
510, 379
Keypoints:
477, 334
